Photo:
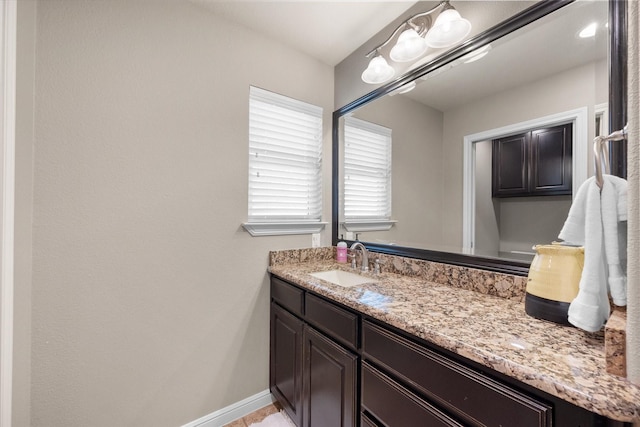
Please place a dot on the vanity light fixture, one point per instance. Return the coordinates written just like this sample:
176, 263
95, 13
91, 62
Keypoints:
409, 46
449, 28
378, 71
417, 34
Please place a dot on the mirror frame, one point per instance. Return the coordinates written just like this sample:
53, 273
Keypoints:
617, 120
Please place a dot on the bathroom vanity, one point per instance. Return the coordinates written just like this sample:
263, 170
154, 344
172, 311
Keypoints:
440, 346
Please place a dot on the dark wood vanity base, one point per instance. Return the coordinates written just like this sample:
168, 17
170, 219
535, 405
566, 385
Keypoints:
333, 366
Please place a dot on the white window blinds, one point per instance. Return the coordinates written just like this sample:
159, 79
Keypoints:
367, 170
285, 150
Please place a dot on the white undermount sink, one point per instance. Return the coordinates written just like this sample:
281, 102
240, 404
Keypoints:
342, 278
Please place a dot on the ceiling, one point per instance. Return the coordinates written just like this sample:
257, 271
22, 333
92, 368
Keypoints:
328, 30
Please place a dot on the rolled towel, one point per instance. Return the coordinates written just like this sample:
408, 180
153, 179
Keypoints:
614, 210
573, 231
590, 309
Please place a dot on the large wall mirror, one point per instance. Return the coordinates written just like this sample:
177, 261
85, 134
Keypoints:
536, 73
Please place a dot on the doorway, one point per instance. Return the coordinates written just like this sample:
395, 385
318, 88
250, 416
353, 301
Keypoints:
577, 117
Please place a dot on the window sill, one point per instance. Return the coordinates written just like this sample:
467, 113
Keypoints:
371, 225
282, 228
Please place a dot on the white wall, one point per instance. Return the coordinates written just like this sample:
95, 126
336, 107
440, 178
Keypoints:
149, 302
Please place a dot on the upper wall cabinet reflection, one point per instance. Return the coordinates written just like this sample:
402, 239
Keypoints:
551, 72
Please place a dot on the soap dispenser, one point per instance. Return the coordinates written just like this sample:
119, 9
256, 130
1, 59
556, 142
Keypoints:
341, 252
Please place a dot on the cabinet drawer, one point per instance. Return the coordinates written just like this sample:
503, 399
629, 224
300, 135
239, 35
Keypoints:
394, 406
478, 399
335, 321
287, 295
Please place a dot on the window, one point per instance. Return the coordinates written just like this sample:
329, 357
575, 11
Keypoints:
367, 176
285, 159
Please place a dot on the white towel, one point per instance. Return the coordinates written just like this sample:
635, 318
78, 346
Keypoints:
614, 210
593, 223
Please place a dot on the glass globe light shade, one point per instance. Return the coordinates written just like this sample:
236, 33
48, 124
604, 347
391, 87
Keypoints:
449, 29
378, 71
409, 46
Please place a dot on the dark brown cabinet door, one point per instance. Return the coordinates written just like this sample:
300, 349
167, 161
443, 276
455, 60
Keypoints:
510, 165
535, 163
330, 382
285, 373
551, 161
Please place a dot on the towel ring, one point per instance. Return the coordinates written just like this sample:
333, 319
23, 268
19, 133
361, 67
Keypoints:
601, 152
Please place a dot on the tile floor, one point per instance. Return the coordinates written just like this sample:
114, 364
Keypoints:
255, 416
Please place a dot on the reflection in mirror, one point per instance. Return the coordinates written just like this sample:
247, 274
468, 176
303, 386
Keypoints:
544, 74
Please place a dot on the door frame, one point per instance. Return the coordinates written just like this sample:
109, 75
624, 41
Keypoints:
8, 48
580, 146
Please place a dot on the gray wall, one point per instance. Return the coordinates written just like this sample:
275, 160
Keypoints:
487, 226
23, 212
525, 221
149, 302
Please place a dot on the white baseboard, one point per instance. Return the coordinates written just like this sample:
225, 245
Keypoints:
232, 412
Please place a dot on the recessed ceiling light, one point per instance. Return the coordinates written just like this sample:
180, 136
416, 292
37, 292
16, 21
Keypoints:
588, 31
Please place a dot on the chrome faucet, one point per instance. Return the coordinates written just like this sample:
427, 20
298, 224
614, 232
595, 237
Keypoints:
365, 255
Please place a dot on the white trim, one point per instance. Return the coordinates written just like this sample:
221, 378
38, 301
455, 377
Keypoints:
604, 110
364, 225
8, 25
281, 228
235, 411
468, 195
580, 147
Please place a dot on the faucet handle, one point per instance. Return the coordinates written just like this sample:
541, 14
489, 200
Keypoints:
353, 260
376, 265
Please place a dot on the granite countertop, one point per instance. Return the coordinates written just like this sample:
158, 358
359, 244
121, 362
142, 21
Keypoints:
496, 332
